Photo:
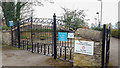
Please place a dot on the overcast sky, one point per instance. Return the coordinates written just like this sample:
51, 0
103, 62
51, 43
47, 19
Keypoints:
110, 9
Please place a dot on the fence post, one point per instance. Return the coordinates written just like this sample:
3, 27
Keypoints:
18, 28
11, 35
31, 34
103, 45
54, 24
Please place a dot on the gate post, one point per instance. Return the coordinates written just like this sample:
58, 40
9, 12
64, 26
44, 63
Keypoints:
18, 28
54, 26
31, 34
107, 47
11, 35
103, 45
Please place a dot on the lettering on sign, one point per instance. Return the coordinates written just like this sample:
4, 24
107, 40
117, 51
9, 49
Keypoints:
84, 47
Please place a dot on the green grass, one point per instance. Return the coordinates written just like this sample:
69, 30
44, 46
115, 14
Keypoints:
58, 62
5, 27
6, 47
23, 37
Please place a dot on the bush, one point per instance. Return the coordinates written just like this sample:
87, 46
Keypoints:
5, 28
23, 37
0, 28
97, 28
115, 33
43, 30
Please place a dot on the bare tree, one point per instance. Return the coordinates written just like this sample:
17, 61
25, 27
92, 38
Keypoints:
28, 9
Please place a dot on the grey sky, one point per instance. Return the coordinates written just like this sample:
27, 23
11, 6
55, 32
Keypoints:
110, 9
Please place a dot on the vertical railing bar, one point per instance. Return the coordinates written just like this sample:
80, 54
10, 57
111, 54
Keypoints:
55, 52
18, 28
60, 48
23, 44
44, 49
65, 50
12, 35
48, 49
38, 47
103, 45
31, 34
41, 48
27, 44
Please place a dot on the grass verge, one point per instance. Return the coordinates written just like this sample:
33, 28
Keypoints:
6, 47
59, 62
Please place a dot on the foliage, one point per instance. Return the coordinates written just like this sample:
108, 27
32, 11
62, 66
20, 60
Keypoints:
23, 37
115, 33
42, 30
12, 11
5, 28
9, 11
117, 24
0, 28
98, 28
74, 18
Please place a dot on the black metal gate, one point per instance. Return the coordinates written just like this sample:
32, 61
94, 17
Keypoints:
63, 49
40, 35
105, 44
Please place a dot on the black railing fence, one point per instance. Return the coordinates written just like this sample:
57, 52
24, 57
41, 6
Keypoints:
40, 35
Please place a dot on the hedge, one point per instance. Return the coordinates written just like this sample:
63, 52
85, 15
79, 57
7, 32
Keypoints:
115, 33
4, 27
98, 29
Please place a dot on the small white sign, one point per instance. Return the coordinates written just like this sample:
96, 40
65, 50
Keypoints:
70, 35
84, 47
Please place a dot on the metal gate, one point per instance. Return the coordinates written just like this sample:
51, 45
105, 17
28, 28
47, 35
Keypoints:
40, 35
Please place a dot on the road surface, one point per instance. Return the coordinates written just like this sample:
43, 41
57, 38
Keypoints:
23, 58
114, 51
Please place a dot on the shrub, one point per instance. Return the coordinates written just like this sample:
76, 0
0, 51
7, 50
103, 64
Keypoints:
23, 37
5, 28
115, 33
97, 28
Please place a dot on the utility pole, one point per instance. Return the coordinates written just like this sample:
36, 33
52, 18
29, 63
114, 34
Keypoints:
101, 11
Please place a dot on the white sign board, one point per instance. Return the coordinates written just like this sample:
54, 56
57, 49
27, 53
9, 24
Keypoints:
84, 47
70, 35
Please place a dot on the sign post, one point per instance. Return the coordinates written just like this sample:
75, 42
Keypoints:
11, 25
